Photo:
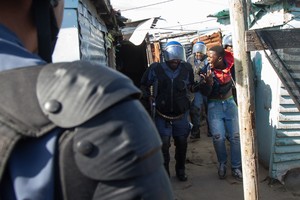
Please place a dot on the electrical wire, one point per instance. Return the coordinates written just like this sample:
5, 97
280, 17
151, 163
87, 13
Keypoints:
200, 22
214, 2
146, 6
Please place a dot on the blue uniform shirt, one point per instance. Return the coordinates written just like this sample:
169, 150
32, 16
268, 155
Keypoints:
30, 166
179, 127
172, 74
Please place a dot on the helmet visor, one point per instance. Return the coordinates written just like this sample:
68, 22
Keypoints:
174, 52
199, 48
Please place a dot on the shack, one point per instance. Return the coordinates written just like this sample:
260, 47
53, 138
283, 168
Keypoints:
90, 31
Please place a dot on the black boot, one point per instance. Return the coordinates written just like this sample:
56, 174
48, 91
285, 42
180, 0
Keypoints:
165, 151
167, 169
195, 120
206, 119
180, 156
195, 133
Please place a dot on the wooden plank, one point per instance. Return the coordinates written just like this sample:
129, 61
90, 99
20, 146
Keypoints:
214, 37
280, 39
245, 91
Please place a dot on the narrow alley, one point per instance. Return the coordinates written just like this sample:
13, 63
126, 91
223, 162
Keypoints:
203, 182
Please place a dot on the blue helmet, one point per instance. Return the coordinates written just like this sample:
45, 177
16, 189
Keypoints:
199, 47
174, 51
227, 40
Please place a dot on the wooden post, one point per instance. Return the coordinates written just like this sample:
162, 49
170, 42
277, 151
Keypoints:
245, 97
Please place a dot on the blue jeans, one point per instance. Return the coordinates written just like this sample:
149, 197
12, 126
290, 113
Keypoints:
223, 120
198, 100
179, 127
195, 110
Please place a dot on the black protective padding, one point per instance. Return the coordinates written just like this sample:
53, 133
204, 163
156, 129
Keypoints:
83, 89
19, 106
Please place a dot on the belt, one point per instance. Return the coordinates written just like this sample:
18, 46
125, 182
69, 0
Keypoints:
220, 100
222, 97
169, 117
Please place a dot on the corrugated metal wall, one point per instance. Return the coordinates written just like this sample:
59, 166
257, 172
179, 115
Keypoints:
286, 154
277, 117
84, 36
92, 34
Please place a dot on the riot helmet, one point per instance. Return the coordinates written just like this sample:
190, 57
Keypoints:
174, 51
227, 40
199, 47
47, 26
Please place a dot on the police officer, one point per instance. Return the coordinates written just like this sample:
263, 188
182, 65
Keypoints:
227, 45
198, 60
65, 132
227, 42
171, 81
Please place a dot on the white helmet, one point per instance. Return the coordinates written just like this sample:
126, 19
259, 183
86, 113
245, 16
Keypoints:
227, 40
174, 51
199, 47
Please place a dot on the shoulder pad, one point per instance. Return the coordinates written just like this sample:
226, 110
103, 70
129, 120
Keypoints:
19, 107
73, 92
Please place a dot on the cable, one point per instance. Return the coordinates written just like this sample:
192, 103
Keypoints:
191, 23
146, 5
213, 1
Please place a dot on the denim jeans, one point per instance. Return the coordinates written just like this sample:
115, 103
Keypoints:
196, 109
198, 99
179, 127
224, 124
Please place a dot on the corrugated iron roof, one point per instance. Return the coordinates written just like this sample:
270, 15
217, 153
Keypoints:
138, 28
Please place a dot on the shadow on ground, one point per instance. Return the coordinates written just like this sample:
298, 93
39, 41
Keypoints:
203, 182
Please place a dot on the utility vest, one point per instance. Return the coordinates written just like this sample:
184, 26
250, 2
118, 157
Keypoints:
198, 67
172, 99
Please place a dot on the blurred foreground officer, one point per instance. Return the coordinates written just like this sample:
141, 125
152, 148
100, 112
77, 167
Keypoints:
171, 81
69, 130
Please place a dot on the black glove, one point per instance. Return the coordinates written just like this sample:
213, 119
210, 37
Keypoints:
197, 85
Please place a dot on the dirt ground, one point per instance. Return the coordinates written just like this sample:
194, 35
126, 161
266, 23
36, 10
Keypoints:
203, 182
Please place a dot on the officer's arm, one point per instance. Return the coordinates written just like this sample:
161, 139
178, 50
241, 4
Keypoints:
190, 77
145, 84
147, 81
